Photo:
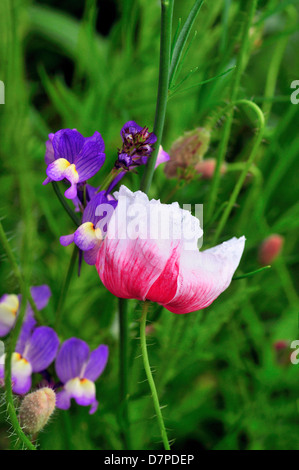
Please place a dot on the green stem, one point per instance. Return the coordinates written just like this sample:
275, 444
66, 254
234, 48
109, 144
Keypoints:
165, 50
65, 287
287, 282
150, 377
247, 166
8, 387
65, 204
124, 371
252, 273
252, 197
110, 177
12, 345
233, 95
14, 337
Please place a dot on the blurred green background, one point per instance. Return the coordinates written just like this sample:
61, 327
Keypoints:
93, 65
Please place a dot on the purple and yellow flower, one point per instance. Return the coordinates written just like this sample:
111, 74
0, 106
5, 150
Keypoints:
10, 303
9, 306
73, 157
36, 349
78, 369
90, 233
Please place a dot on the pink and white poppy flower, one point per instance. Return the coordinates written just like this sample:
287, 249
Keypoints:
150, 253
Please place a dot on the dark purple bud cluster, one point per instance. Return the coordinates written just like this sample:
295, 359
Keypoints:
138, 145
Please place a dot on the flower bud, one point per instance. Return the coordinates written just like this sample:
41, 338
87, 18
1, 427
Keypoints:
281, 345
138, 144
206, 168
270, 249
187, 151
282, 352
36, 409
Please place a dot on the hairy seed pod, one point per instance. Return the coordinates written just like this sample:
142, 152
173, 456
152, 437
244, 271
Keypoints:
36, 409
187, 151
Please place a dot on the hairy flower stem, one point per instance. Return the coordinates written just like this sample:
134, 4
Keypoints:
123, 371
248, 18
165, 50
246, 168
13, 341
8, 386
149, 376
164, 71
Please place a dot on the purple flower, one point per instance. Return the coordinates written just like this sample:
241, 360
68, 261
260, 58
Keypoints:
137, 146
36, 349
10, 303
90, 233
71, 156
78, 369
162, 158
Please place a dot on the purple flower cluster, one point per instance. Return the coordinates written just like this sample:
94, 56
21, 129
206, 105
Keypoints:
74, 158
37, 347
137, 146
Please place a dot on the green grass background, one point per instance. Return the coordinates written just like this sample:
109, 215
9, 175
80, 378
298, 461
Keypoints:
216, 370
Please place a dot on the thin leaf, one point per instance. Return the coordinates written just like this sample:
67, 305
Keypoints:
172, 91
175, 37
183, 60
224, 32
252, 273
182, 39
207, 81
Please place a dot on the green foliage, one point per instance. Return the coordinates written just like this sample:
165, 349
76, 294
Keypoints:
216, 370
